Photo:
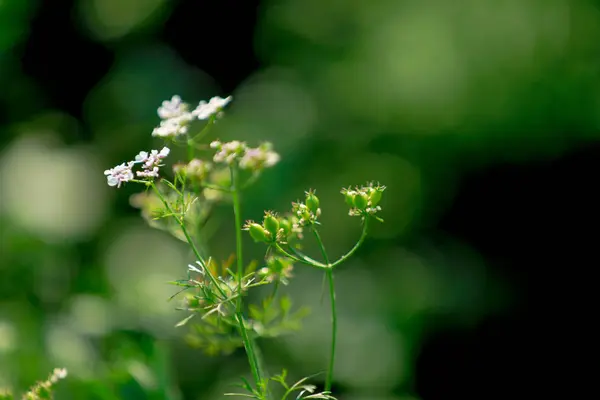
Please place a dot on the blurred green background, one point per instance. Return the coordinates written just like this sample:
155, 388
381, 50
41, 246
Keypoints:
414, 94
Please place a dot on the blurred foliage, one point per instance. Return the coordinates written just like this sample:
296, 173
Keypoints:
409, 93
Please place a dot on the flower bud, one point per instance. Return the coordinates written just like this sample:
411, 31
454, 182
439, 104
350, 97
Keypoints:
361, 200
375, 195
258, 233
286, 225
312, 201
348, 197
271, 223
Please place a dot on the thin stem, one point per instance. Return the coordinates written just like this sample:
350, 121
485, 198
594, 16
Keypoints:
190, 241
356, 246
204, 130
304, 257
191, 149
270, 299
329, 274
248, 343
297, 259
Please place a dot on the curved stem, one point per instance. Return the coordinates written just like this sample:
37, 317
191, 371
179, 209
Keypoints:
297, 259
306, 258
329, 274
204, 130
248, 343
356, 246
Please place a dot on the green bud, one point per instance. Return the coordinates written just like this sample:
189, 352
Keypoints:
258, 233
301, 211
361, 200
286, 225
375, 196
271, 224
348, 197
312, 202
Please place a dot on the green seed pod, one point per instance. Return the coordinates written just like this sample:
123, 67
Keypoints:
361, 200
312, 202
286, 225
271, 224
258, 233
304, 212
375, 196
349, 199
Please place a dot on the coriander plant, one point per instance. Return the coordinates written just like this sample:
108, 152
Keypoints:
213, 293
41, 390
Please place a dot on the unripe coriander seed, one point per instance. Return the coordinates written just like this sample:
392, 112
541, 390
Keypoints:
258, 233
361, 200
286, 225
312, 202
271, 224
375, 196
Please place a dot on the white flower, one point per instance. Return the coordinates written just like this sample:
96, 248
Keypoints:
206, 110
151, 162
174, 126
119, 174
150, 166
142, 156
259, 158
172, 108
58, 374
193, 268
147, 173
228, 152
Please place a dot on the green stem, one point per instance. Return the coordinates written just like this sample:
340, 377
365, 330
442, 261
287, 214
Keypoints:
306, 258
297, 259
248, 343
356, 246
329, 274
190, 241
204, 130
190, 148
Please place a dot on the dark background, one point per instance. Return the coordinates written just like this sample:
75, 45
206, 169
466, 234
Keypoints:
505, 187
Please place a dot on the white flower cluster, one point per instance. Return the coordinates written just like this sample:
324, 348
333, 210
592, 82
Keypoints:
176, 115
151, 162
58, 374
150, 167
119, 174
251, 158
